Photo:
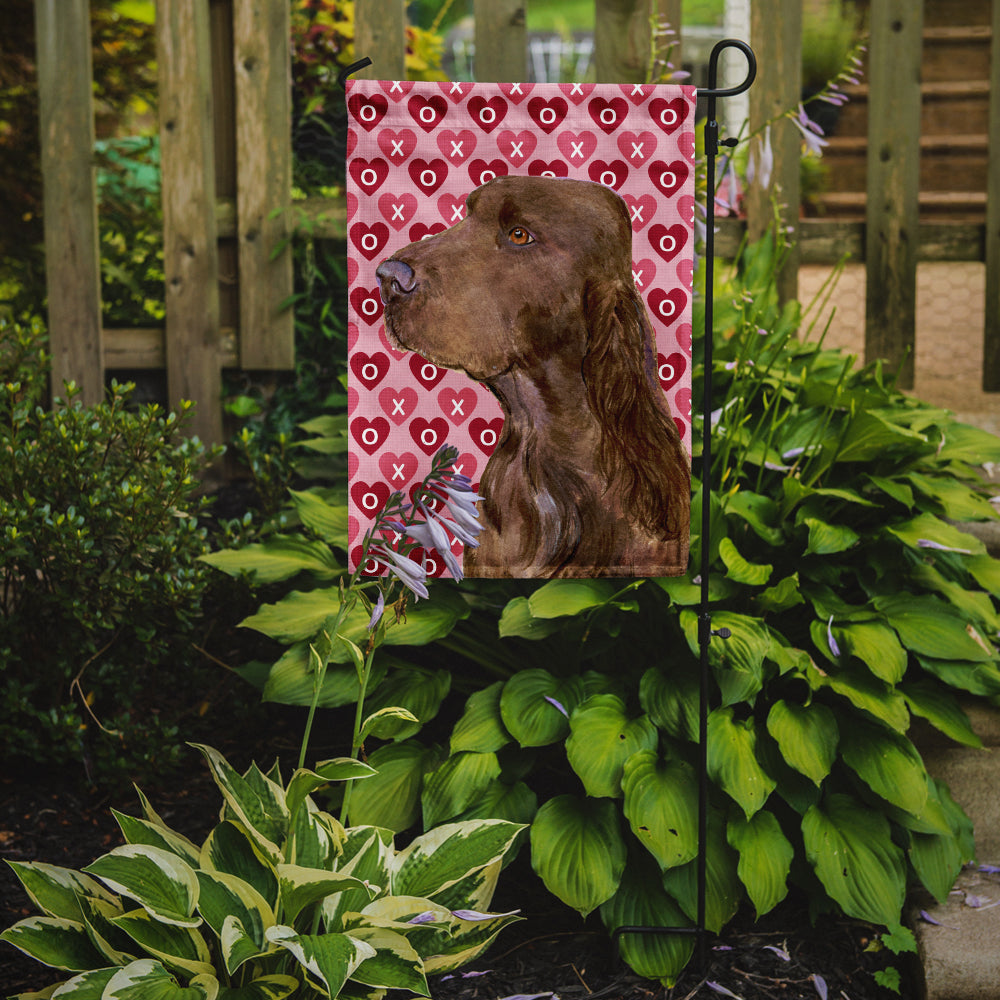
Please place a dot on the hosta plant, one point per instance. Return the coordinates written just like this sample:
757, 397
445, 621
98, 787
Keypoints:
279, 900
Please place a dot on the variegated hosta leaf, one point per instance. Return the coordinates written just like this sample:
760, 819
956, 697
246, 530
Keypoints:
54, 941
230, 849
732, 760
578, 851
177, 947
256, 801
395, 964
456, 784
367, 853
141, 831
723, 889
225, 897
850, 847
98, 915
149, 980
441, 857
274, 987
86, 986
481, 727
602, 737
315, 838
765, 858
300, 887
304, 782
56, 891
535, 706
642, 902
661, 799
807, 736
467, 940
328, 959
158, 880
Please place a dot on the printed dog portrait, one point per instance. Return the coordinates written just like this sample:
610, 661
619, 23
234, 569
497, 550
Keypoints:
532, 295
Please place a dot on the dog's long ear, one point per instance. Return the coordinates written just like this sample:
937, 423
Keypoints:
640, 451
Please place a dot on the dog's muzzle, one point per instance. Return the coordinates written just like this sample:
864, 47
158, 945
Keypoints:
395, 280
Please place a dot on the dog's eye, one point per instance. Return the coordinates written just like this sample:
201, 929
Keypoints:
520, 236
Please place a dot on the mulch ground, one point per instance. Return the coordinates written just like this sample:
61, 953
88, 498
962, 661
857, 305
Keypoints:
551, 953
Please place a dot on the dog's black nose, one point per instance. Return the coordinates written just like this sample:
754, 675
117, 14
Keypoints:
395, 279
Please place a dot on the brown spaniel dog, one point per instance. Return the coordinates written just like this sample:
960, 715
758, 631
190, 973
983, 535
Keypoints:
532, 295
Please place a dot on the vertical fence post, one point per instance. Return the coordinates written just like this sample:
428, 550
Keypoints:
893, 183
72, 256
262, 62
501, 41
190, 251
380, 34
991, 332
776, 34
621, 40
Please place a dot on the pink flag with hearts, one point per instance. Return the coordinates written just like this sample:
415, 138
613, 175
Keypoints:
520, 262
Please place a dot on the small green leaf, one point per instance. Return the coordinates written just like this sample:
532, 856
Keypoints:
888, 763
827, 539
279, 558
481, 727
391, 798
732, 760
516, 620
578, 851
671, 699
559, 598
456, 785
739, 569
535, 706
765, 858
807, 736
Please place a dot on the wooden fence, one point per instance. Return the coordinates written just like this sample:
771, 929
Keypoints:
226, 161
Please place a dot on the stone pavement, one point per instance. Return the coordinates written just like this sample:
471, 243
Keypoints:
959, 955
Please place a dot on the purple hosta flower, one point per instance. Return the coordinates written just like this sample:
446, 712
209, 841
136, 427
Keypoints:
557, 704
761, 163
811, 132
820, 984
377, 612
831, 642
927, 543
730, 200
427, 917
780, 952
475, 915
409, 573
719, 988
989, 869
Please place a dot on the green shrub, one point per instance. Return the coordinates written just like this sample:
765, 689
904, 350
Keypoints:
854, 604
280, 899
99, 541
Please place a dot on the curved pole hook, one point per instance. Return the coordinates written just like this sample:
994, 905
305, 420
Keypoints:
713, 68
349, 70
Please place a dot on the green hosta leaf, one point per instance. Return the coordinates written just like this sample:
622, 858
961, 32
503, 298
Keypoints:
893, 488
528, 710
141, 831
516, 803
559, 598
928, 528
937, 859
758, 511
683, 592
888, 763
986, 571
481, 728
957, 501
850, 848
941, 709
661, 798
783, 595
641, 901
292, 680
602, 738
765, 858
159, 881
671, 699
932, 628
976, 678
965, 443
415, 689
327, 520
456, 784
279, 558
304, 782
395, 964
723, 889
807, 736
732, 760
517, 620
330, 959
260, 806
301, 887
827, 539
443, 856
180, 948
275, 987
876, 646
56, 891
738, 661
391, 798
230, 849
147, 979
869, 436
975, 605
578, 851
866, 692
54, 941
741, 571
225, 897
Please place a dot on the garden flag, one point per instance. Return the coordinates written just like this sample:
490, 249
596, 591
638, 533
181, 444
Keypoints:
520, 262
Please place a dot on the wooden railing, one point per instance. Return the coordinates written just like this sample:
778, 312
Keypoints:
226, 160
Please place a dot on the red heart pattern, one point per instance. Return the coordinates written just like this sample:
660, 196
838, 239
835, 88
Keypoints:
415, 152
